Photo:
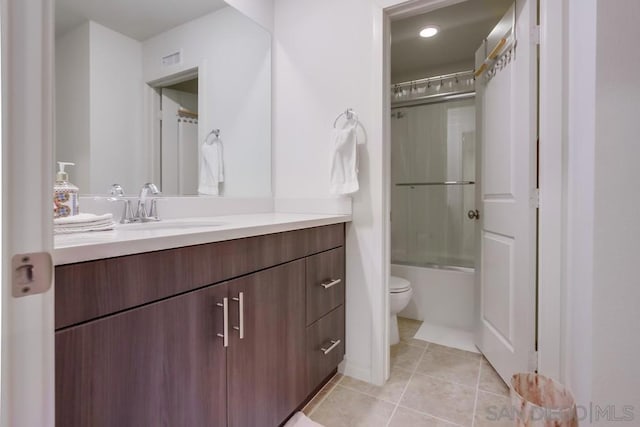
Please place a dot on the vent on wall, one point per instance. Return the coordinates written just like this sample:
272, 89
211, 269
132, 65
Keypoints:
174, 58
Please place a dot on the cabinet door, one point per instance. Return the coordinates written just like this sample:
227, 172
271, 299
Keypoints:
157, 365
266, 368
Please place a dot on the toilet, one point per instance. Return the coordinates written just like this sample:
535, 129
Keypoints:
400, 294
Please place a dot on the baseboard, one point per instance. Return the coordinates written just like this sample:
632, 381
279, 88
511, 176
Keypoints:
355, 370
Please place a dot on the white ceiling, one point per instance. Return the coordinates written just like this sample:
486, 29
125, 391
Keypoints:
138, 19
462, 28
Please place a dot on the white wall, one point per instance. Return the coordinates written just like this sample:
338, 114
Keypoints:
616, 290
116, 90
260, 11
99, 108
579, 228
72, 104
325, 60
603, 228
233, 56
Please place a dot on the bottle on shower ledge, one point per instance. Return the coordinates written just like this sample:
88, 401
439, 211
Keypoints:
65, 194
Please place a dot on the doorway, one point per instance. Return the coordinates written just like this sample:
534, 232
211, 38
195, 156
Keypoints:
174, 133
495, 307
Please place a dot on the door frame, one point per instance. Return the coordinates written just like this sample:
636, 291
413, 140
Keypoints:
28, 367
552, 163
152, 98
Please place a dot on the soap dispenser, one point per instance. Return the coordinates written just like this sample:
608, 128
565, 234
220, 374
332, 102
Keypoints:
65, 194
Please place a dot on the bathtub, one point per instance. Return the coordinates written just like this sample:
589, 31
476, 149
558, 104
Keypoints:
443, 296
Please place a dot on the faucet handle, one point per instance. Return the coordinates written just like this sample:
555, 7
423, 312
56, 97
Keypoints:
116, 191
127, 214
153, 211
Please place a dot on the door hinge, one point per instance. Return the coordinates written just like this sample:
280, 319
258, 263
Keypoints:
535, 35
533, 361
535, 199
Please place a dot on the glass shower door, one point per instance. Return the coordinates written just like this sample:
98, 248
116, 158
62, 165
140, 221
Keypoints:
433, 175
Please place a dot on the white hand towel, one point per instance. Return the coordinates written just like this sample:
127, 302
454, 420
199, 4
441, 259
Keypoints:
344, 160
211, 168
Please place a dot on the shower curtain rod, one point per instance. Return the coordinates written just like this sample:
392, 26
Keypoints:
433, 99
469, 73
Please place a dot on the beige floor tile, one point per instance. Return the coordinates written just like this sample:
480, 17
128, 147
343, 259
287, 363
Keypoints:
408, 328
450, 366
391, 391
491, 381
315, 401
493, 411
405, 356
443, 399
451, 350
348, 408
407, 418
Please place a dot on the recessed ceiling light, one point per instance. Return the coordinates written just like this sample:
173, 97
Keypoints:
429, 31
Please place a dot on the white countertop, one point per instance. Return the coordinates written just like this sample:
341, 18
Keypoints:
167, 234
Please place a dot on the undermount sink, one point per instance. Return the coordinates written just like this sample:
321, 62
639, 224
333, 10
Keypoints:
173, 224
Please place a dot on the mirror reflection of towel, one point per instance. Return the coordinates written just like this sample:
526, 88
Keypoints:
211, 168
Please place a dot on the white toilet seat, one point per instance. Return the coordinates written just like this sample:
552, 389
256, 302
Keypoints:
398, 285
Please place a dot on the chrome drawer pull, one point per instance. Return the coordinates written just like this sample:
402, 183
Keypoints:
334, 344
225, 322
330, 284
240, 301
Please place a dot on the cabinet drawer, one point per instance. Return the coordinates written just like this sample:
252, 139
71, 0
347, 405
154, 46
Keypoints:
325, 346
325, 283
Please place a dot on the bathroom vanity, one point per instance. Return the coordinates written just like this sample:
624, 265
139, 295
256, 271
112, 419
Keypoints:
238, 332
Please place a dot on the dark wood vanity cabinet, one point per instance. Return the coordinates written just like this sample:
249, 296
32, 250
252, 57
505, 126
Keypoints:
150, 366
145, 356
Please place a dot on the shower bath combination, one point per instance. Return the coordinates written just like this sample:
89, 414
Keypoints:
433, 175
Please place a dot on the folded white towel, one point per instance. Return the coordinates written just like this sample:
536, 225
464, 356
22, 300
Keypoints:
211, 167
83, 218
83, 223
300, 420
344, 160
84, 229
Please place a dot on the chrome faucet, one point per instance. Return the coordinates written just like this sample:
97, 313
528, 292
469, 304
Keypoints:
142, 213
117, 195
147, 210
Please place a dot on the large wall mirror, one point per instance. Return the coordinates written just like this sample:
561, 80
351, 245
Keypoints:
177, 93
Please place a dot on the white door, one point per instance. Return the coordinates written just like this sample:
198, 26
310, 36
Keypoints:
27, 369
506, 102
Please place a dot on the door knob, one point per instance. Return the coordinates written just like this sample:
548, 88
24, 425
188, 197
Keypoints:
473, 214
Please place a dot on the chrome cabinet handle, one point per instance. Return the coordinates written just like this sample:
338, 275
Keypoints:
334, 344
330, 283
240, 301
225, 322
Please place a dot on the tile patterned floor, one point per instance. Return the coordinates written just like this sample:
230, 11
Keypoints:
429, 385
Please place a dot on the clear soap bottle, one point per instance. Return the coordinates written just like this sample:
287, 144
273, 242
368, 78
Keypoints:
65, 194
